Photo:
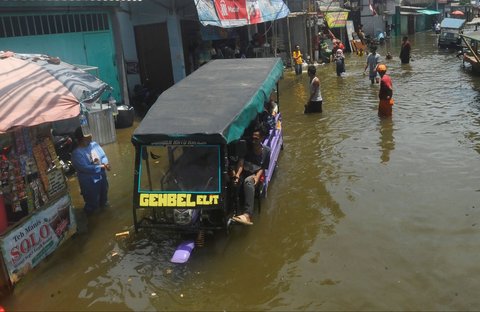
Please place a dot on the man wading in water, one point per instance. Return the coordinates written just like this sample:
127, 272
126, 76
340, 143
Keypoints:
315, 101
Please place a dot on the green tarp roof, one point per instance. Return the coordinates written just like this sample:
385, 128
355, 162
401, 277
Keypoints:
214, 104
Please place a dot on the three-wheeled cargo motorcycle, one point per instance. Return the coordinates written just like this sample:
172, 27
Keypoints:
187, 140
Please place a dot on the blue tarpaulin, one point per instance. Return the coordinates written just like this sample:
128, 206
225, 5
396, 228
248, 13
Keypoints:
454, 23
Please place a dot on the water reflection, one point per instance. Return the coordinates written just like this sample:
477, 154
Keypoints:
331, 234
387, 141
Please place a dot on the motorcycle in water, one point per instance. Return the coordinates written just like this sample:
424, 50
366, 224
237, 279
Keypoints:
381, 37
144, 96
64, 148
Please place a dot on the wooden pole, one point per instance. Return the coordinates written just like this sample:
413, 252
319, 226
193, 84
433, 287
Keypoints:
289, 40
305, 17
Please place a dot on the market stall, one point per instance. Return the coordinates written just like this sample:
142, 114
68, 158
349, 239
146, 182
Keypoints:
36, 213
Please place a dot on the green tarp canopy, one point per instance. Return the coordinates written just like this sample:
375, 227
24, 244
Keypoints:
214, 104
428, 12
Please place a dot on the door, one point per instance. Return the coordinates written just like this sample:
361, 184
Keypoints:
100, 53
154, 59
411, 24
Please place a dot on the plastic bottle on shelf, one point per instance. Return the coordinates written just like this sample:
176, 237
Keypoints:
84, 124
113, 104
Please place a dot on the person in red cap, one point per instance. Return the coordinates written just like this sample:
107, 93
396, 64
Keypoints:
386, 92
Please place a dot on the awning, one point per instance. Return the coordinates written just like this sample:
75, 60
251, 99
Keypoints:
474, 21
36, 89
235, 13
410, 13
429, 12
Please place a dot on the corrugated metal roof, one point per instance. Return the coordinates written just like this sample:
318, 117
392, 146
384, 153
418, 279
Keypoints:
474, 36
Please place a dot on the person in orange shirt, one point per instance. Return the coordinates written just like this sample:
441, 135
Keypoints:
297, 60
385, 93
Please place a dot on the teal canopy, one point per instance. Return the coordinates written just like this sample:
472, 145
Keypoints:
215, 104
429, 12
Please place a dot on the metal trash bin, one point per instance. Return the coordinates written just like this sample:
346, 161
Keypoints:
102, 125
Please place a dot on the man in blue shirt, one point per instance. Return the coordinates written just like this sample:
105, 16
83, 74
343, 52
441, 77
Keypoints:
91, 164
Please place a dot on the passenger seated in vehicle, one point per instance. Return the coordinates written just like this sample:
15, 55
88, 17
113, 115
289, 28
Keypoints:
270, 110
236, 155
257, 160
271, 105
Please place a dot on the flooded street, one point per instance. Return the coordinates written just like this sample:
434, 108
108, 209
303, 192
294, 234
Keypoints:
362, 214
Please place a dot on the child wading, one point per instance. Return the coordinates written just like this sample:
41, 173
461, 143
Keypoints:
340, 62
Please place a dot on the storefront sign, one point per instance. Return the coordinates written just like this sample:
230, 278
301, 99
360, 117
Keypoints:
231, 11
350, 31
29, 243
336, 19
234, 13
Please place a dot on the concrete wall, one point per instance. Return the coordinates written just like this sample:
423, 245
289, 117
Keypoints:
128, 43
375, 24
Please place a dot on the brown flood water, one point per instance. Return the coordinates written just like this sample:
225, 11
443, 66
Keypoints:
363, 213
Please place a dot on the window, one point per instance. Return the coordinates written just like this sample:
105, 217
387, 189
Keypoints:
176, 168
18, 26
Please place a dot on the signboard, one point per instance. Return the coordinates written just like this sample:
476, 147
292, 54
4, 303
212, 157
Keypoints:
336, 19
178, 200
234, 13
350, 31
24, 247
